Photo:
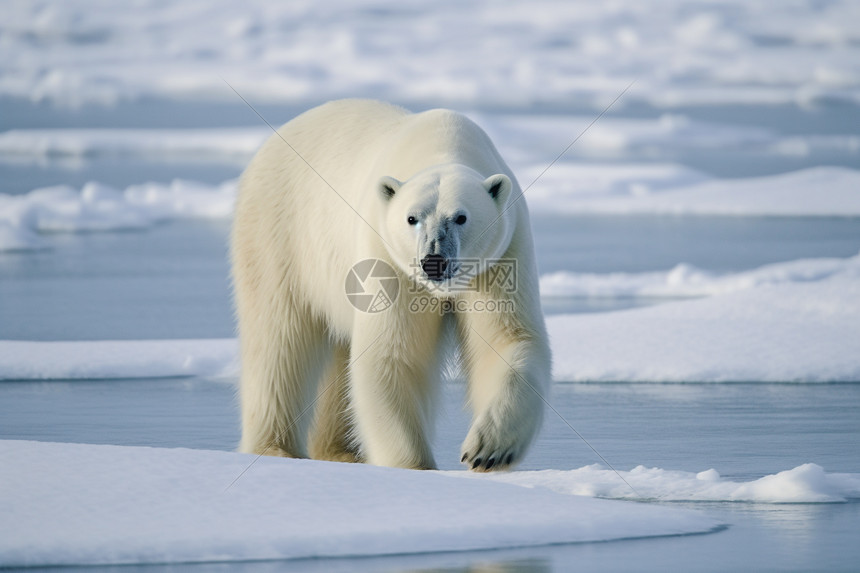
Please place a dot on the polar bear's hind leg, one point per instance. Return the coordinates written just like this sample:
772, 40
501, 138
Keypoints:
283, 357
332, 432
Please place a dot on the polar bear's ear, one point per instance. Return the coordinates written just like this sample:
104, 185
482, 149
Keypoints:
388, 186
499, 187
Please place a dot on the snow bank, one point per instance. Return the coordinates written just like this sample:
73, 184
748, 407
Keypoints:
818, 191
75, 360
98, 207
551, 51
238, 144
76, 504
688, 281
808, 483
792, 332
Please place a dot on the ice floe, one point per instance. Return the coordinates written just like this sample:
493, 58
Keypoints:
807, 483
99, 207
114, 359
817, 191
686, 280
79, 504
789, 332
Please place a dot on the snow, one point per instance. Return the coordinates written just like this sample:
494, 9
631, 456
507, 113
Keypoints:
550, 51
230, 143
113, 359
533, 137
549, 134
99, 207
817, 191
78, 504
807, 483
533, 75
791, 332
686, 280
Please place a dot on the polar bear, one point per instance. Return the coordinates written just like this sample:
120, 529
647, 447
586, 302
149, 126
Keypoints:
428, 195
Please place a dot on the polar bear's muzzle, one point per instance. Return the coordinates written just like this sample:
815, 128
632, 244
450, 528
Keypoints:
439, 259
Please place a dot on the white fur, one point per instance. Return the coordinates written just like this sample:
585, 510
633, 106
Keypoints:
311, 206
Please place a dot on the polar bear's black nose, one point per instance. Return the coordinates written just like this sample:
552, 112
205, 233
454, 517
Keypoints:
434, 267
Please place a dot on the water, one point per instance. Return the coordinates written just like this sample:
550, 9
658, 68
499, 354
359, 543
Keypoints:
743, 431
172, 282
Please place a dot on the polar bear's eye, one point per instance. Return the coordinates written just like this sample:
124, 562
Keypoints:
460, 220
411, 220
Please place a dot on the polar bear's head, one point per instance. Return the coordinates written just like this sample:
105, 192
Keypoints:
446, 224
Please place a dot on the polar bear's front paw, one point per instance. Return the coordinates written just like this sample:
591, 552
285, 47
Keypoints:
494, 446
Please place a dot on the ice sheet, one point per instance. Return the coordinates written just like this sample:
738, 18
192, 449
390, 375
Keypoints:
555, 52
78, 504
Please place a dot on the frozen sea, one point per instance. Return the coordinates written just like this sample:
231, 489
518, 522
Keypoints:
170, 281
699, 249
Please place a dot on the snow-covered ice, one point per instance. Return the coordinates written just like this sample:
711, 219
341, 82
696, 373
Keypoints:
685, 280
546, 135
116, 359
238, 144
99, 207
533, 75
79, 51
817, 191
790, 332
78, 504
808, 483
523, 139
549, 134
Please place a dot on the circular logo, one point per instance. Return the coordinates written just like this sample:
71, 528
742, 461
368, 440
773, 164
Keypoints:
372, 285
